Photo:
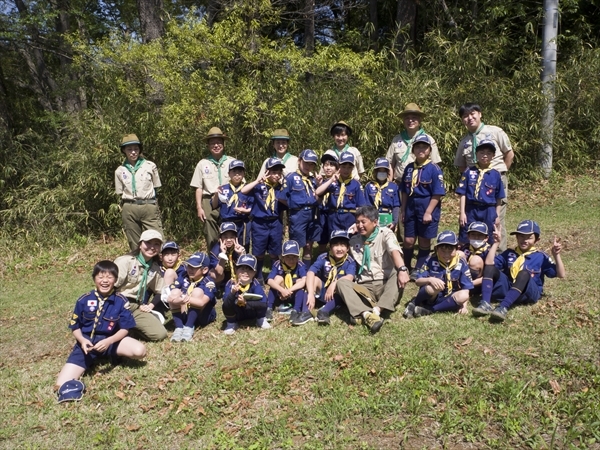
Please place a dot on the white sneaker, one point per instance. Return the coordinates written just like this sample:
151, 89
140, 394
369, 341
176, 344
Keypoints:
164, 295
262, 323
230, 328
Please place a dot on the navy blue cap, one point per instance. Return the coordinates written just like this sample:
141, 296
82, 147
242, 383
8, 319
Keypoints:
527, 227
199, 259
168, 245
247, 260
339, 234
478, 227
308, 155
424, 138
329, 157
272, 163
347, 158
486, 143
71, 391
237, 164
447, 238
290, 248
227, 226
382, 163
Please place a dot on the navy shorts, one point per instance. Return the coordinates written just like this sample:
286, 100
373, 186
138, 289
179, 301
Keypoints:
267, 236
340, 220
531, 294
79, 358
413, 221
479, 213
304, 226
325, 233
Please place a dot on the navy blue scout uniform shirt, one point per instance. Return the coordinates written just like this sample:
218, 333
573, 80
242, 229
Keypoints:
260, 209
297, 272
390, 197
353, 197
113, 317
297, 193
460, 275
430, 181
322, 266
230, 266
179, 270
206, 283
490, 191
255, 288
538, 264
226, 210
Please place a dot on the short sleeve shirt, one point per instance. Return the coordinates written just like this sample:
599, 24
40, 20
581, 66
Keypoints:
322, 266
130, 277
464, 152
430, 181
113, 317
290, 161
490, 191
382, 264
296, 193
359, 166
460, 275
297, 272
209, 175
400, 155
146, 180
538, 264
390, 197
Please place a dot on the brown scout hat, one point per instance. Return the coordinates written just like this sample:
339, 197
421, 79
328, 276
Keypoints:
280, 133
343, 124
215, 132
130, 139
412, 108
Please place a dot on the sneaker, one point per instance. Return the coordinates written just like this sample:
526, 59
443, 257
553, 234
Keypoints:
302, 318
409, 311
498, 314
269, 314
483, 309
285, 309
263, 323
421, 311
322, 317
177, 335
231, 328
373, 322
294, 315
187, 334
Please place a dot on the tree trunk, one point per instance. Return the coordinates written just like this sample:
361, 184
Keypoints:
406, 16
151, 22
374, 26
309, 26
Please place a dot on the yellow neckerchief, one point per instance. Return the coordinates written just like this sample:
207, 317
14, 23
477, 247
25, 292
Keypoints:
288, 280
343, 184
480, 250
415, 175
482, 172
175, 267
449, 267
230, 265
234, 198
191, 288
380, 189
520, 261
308, 186
326, 195
334, 268
242, 290
101, 301
270, 202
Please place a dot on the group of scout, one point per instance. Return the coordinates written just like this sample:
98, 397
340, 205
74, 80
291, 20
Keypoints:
364, 269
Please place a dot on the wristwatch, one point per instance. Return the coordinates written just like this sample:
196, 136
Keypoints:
402, 269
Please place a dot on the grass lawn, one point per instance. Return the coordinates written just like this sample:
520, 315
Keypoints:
441, 381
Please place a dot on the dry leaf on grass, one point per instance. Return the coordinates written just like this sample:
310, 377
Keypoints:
133, 427
187, 428
555, 386
120, 394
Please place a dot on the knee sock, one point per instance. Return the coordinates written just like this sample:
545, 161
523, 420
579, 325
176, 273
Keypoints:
408, 256
329, 306
490, 275
192, 315
259, 267
422, 256
516, 290
271, 299
446, 304
422, 297
300, 301
178, 319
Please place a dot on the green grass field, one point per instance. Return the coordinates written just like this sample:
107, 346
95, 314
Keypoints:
443, 381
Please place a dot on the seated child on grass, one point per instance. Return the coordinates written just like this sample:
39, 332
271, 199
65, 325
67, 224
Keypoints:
223, 254
323, 275
517, 276
192, 298
244, 298
100, 324
475, 253
444, 280
286, 282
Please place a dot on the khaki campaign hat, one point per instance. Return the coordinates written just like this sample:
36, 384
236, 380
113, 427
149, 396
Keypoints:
280, 133
215, 132
412, 108
343, 124
130, 139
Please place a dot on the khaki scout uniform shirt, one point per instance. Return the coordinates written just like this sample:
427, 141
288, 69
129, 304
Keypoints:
398, 149
290, 162
359, 167
209, 176
130, 277
382, 264
146, 179
464, 152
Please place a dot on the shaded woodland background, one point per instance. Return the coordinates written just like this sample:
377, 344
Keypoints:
75, 75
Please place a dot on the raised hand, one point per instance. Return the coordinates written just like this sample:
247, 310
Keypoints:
556, 246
